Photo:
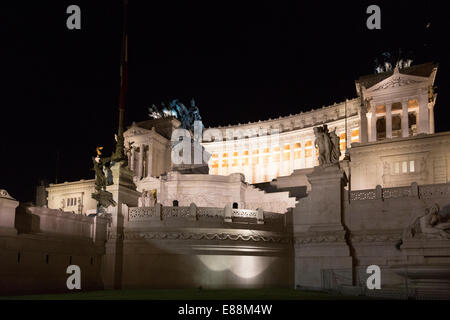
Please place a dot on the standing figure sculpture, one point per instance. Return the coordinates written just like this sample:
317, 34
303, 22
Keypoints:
336, 150
322, 142
100, 179
328, 144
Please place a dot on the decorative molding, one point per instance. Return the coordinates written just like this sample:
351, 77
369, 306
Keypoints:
396, 82
320, 237
203, 236
391, 237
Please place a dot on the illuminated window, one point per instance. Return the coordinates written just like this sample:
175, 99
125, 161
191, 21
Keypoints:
286, 152
411, 166
342, 141
308, 149
355, 136
245, 158
224, 160
255, 158
297, 150
404, 167
276, 154
215, 164
235, 159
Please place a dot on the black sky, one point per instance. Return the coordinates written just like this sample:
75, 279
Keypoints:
241, 61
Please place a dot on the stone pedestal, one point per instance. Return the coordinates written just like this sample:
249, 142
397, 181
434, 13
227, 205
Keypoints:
125, 195
426, 267
8, 207
319, 234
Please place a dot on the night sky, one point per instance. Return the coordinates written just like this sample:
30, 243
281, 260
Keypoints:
240, 61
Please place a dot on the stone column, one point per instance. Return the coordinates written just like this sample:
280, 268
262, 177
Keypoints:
431, 115
141, 161
291, 158
302, 155
388, 120
372, 124
363, 132
424, 121
133, 156
281, 159
405, 130
150, 160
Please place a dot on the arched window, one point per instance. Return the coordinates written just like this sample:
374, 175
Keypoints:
175, 203
235, 205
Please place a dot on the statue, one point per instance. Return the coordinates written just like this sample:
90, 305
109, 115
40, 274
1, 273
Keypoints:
103, 197
328, 144
153, 198
100, 179
141, 199
336, 149
429, 225
147, 198
128, 151
178, 110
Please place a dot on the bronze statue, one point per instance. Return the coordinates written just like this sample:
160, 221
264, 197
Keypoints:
100, 179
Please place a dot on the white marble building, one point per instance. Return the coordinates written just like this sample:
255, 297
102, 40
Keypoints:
390, 106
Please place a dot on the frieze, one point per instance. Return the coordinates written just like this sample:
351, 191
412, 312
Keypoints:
320, 237
203, 236
393, 237
396, 82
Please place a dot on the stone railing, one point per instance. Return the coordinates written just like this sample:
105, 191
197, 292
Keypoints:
141, 213
414, 190
244, 213
227, 214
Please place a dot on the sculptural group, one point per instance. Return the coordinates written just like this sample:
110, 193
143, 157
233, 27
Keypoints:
178, 110
328, 144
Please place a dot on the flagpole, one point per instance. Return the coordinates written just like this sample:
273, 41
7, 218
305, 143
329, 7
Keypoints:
119, 153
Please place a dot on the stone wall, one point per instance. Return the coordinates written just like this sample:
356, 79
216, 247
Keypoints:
38, 244
179, 247
424, 159
376, 219
214, 191
338, 234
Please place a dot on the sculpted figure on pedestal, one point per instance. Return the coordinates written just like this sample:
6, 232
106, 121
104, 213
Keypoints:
328, 144
336, 150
